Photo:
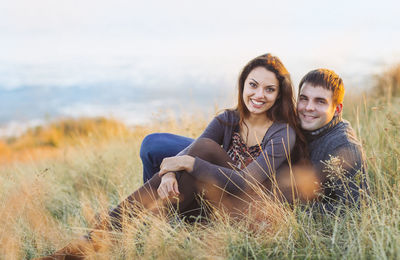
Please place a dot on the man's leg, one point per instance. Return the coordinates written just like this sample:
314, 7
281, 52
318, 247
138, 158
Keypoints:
155, 147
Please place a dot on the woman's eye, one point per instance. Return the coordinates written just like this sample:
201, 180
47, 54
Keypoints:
252, 85
270, 89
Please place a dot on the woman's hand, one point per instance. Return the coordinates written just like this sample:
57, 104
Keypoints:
168, 186
176, 163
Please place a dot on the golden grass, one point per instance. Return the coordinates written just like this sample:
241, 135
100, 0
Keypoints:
53, 182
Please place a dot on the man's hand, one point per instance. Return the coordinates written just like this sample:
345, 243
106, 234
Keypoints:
176, 163
168, 186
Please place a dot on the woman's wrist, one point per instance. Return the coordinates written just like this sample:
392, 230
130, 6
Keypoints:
169, 174
188, 162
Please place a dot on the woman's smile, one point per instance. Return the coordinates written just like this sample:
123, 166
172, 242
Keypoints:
261, 89
257, 103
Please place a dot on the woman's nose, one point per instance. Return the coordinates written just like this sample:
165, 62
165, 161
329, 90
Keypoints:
259, 92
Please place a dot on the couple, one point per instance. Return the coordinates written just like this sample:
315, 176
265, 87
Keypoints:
265, 126
247, 146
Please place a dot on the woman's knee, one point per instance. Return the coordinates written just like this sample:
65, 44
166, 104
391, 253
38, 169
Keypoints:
150, 144
203, 145
161, 145
207, 141
209, 150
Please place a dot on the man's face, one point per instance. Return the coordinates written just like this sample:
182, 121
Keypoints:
315, 107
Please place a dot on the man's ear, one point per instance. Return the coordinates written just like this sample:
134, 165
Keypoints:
338, 109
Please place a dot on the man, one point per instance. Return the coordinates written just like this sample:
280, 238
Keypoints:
335, 152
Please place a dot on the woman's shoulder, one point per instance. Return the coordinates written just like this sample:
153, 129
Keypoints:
229, 116
282, 128
280, 131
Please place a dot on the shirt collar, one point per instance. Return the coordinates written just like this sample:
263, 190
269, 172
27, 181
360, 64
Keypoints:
312, 135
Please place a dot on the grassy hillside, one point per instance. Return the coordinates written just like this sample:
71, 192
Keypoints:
54, 179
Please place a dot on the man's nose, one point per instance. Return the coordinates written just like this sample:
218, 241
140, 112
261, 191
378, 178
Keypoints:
310, 106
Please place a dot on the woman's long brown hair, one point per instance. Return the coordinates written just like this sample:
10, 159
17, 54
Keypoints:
284, 109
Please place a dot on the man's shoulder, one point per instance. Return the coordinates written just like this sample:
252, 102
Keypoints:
341, 135
341, 141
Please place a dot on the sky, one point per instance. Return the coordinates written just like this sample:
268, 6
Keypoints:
170, 47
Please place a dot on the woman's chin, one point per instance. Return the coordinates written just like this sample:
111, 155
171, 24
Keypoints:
257, 113
257, 110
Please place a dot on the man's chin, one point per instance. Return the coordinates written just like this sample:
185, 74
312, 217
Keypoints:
308, 126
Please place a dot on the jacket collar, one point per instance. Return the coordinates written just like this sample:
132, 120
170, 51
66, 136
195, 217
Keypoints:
312, 135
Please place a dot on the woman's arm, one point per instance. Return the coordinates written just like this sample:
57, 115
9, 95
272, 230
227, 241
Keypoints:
176, 163
214, 131
182, 162
281, 140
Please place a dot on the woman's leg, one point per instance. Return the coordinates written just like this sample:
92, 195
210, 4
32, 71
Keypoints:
190, 188
233, 204
208, 150
146, 197
155, 147
212, 152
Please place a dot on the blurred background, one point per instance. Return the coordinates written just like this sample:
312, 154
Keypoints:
135, 60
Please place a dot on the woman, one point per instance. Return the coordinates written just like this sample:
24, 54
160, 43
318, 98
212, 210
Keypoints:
240, 148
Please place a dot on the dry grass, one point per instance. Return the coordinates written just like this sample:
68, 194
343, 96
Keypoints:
387, 83
49, 198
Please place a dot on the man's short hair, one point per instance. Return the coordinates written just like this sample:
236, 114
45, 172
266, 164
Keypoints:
327, 79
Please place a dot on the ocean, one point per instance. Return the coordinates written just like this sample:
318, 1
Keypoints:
29, 106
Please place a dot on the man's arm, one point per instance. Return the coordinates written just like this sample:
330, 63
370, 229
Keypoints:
343, 178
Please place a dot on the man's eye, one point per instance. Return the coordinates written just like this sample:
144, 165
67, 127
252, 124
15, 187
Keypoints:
321, 102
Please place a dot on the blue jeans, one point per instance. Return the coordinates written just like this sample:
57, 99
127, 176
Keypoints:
155, 147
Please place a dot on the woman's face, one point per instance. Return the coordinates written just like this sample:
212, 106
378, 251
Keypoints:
261, 89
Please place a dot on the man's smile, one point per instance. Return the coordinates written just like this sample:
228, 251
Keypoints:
308, 117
